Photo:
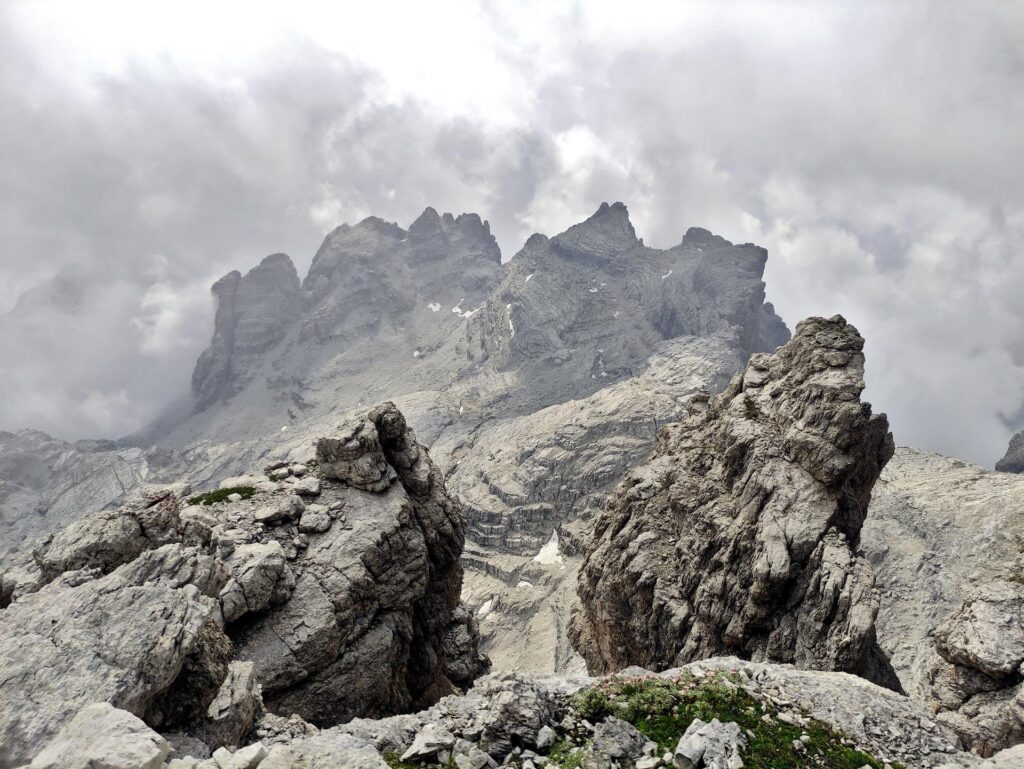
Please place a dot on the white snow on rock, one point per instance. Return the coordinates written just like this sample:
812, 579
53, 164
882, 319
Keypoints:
485, 608
524, 583
549, 555
528, 278
666, 274
465, 314
415, 353
511, 327
434, 307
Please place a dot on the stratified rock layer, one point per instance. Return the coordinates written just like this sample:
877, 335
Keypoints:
739, 535
145, 607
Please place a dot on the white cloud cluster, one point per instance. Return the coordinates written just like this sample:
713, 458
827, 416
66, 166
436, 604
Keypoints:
874, 149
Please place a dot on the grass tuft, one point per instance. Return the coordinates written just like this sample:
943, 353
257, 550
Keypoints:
221, 495
663, 709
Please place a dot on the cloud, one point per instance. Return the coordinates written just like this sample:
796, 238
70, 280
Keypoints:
874, 150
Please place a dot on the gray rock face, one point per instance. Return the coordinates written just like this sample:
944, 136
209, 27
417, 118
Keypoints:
253, 314
740, 534
46, 483
588, 307
144, 608
1013, 460
944, 538
519, 478
100, 735
618, 740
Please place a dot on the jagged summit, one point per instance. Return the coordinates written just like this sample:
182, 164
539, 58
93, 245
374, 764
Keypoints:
740, 534
698, 237
1013, 460
607, 234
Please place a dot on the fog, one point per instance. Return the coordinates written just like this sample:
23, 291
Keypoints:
875, 150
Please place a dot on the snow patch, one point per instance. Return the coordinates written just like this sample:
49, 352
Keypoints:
511, 327
592, 290
528, 278
434, 307
549, 555
524, 583
485, 609
666, 274
284, 429
465, 314
415, 353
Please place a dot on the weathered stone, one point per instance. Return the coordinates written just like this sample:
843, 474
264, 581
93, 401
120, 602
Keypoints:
713, 745
356, 457
280, 509
307, 487
314, 522
432, 742
618, 740
234, 709
134, 638
739, 534
100, 735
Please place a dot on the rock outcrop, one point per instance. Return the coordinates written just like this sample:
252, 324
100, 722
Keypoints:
185, 616
740, 534
1013, 460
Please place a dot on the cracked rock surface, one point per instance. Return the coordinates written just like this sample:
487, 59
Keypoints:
740, 534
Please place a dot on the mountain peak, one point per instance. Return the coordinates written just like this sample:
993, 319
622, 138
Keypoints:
698, 237
607, 234
428, 220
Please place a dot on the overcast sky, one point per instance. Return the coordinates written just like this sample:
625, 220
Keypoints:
875, 149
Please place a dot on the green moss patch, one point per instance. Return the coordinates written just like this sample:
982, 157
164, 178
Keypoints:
221, 495
663, 709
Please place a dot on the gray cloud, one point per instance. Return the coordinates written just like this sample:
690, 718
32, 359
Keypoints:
875, 151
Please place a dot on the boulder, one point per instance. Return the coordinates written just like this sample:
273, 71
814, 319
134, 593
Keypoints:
713, 745
100, 735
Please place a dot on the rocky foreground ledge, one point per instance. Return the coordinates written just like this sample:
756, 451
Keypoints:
722, 713
327, 590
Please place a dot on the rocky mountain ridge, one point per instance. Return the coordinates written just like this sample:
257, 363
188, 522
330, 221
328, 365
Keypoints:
430, 317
